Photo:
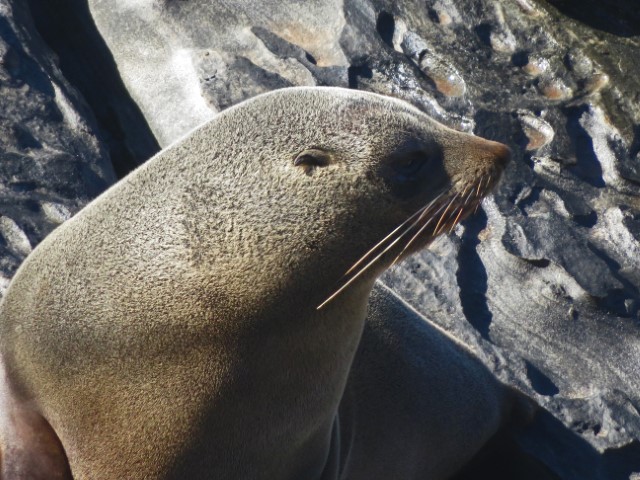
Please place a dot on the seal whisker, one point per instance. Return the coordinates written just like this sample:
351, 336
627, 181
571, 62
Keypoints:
489, 180
484, 191
444, 224
361, 271
467, 200
446, 216
487, 187
419, 213
478, 190
455, 222
436, 230
481, 187
418, 233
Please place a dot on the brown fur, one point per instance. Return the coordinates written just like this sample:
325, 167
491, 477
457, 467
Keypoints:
170, 329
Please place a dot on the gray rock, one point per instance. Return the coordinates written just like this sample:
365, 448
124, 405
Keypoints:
223, 53
51, 161
85, 61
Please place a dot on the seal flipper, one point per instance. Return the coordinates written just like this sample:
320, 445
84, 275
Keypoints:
29, 447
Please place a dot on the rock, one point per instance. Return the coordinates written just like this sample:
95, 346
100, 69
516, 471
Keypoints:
85, 61
209, 62
538, 132
51, 160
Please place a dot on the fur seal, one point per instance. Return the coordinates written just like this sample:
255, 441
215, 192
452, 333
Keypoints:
195, 320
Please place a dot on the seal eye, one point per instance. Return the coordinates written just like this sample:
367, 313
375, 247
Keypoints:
410, 166
306, 159
312, 157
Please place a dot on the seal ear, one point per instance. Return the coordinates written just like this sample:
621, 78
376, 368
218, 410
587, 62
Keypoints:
312, 157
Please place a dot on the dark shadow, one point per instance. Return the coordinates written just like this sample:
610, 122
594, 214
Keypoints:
500, 127
623, 461
539, 381
629, 161
257, 75
569, 455
537, 262
484, 33
324, 76
503, 459
24, 69
520, 58
386, 26
531, 199
472, 276
587, 220
587, 166
616, 300
618, 17
86, 62
355, 72
635, 144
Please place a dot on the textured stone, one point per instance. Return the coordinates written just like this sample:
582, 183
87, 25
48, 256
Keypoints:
51, 160
210, 55
539, 133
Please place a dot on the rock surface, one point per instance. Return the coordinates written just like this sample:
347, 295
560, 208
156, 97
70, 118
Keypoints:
544, 283
51, 160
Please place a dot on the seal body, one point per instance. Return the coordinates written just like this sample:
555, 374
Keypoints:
171, 329
418, 404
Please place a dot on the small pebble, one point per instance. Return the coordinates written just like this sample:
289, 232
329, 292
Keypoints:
596, 82
554, 89
502, 41
501, 38
573, 313
579, 63
538, 132
536, 65
443, 12
14, 236
527, 7
443, 17
446, 78
56, 212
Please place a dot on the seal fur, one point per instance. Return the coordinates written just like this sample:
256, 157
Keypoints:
170, 329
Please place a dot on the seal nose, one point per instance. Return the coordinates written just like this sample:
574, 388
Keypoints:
499, 151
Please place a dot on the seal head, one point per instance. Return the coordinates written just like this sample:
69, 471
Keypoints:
171, 328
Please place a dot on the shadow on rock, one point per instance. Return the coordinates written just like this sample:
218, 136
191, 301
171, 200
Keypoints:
85, 60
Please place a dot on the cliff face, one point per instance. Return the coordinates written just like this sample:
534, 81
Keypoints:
543, 283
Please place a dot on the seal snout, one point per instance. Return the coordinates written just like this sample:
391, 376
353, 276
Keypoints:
499, 151
491, 158
489, 154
